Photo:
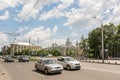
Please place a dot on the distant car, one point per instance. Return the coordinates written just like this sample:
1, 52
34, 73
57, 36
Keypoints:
0, 56
23, 59
69, 63
8, 59
48, 66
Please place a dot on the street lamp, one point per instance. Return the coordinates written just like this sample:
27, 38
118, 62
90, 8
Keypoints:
102, 52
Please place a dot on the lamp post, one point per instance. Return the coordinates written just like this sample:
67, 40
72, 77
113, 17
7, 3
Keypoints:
102, 52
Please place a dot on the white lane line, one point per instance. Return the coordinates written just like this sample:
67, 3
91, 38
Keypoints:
102, 70
39, 74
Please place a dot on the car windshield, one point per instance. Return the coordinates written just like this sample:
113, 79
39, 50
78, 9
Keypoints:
69, 59
49, 62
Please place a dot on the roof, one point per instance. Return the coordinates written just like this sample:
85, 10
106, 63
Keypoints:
22, 43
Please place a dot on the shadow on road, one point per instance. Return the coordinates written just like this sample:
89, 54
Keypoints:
72, 70
49, 74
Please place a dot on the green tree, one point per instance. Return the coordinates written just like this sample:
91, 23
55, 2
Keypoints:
55, 52
94, 41
42, 52
111, 40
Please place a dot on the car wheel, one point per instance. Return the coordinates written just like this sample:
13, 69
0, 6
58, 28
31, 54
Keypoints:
36, 68
46, 71
60, 72
68, 67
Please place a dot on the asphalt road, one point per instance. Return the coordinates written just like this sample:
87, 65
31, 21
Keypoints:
89, 71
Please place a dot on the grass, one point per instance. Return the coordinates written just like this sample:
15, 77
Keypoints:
33, 59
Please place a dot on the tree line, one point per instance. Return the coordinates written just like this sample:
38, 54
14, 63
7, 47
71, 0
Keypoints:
111, 36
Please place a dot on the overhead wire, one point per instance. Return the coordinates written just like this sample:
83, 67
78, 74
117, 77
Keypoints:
17, 34
39, 13
28, 13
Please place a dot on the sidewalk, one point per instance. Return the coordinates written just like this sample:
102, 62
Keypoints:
113, 62
3, 74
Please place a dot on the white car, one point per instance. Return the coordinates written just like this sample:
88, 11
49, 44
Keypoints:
69, 63
48, 66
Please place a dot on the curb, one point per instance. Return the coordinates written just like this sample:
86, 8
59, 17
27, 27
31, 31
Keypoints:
98, 62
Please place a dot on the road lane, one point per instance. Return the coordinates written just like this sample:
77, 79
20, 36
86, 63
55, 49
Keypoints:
89, 71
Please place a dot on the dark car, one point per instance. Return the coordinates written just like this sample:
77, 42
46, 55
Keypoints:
23, 59
8, 59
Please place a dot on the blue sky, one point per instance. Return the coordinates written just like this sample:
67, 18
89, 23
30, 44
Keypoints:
52, 21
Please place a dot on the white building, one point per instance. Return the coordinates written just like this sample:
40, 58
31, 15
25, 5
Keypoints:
20, 46
64, 49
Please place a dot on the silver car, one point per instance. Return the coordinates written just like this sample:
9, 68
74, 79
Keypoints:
48, 66
69, 63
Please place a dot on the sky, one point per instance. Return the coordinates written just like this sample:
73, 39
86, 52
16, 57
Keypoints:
53, 21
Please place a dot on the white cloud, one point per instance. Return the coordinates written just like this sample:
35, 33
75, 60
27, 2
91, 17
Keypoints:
83, 15
54, 13
57, 11
77, 18
3, 37
74, 34
3, 40
5, 16
55, 28
45, 36
40, 32
31, 8
27, 8
9, 3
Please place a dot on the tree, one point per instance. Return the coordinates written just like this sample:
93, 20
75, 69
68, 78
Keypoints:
42, 52
84, 45
55, 52
111, 41
94, 41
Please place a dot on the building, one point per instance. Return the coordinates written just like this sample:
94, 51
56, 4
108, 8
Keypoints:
5, 49
20, 46
67, 49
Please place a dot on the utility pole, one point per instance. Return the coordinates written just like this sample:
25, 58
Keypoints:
102, 34
38, 41
29, 46
11, 34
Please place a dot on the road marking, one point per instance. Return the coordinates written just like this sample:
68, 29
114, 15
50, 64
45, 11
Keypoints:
102, 70
39, 74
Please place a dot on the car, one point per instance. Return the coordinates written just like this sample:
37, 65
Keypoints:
23, 58
8, 59
69, 63
48, 66
1, 56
